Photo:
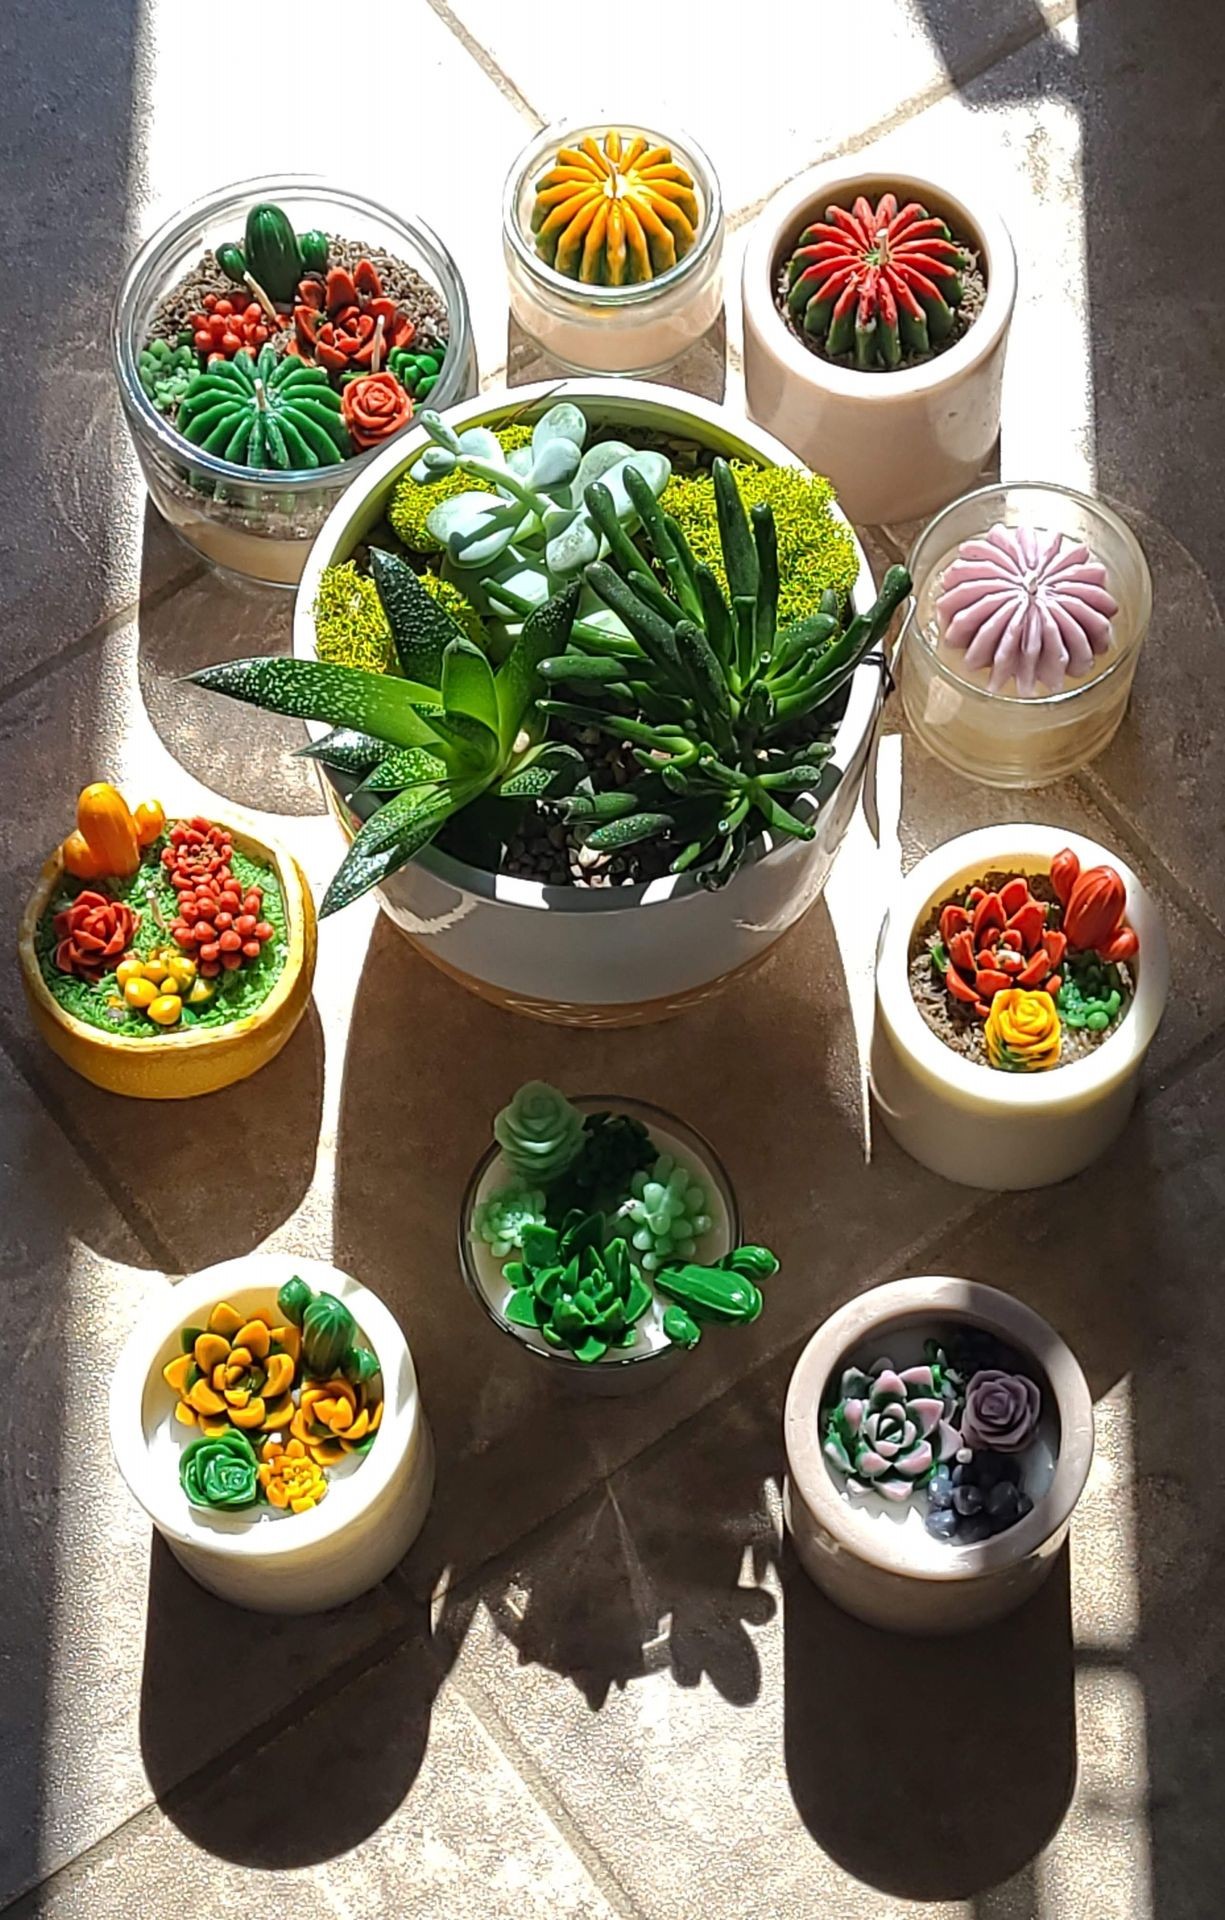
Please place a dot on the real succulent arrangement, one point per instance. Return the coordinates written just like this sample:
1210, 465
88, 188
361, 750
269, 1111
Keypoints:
594, 1242
1023, 973
880, 287
158, 926
957, 1437
292, 352
578, 648
274, 1401
1028, 607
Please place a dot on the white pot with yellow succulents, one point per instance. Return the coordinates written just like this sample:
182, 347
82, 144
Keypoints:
265, 1414
1021, 974
560, 810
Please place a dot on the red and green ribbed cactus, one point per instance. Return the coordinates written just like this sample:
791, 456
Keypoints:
876, 282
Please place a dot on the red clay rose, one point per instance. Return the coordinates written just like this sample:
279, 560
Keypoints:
93, 934
375, 407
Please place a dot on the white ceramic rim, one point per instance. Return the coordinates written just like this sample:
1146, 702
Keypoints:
792, 207
160, 1494
867, 684
938, 1297
125, 349
1047, 702
962, 861
577, 292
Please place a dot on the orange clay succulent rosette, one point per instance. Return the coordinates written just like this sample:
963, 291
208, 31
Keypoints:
92, 935
374, 407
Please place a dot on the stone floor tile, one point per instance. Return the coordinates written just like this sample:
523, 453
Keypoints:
92, 1631
422, 1816
758, 117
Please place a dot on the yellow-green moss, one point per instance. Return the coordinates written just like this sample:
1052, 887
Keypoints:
410, 503
461, 610
815, 550
351, 628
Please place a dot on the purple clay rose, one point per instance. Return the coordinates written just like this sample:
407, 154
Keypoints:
1001, 1411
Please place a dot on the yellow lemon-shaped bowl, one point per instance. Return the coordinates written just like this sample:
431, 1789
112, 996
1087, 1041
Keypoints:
173, 1065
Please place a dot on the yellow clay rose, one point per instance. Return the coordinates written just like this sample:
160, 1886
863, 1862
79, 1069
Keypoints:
1022, 1031
289, 1477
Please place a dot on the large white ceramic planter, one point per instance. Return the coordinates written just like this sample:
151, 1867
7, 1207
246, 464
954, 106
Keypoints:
895, 445
298, 1563
627, 954
896, 1576
1006, 1130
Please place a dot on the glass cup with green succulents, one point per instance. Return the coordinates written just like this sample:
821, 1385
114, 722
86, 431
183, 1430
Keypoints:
603, 1235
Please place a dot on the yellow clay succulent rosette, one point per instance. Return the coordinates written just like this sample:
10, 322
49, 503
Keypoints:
335, 1418
1023, 1033
236, 1373
289, 1476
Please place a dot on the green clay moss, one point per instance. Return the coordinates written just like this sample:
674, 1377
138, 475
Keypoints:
351, 628
815, 549
411, 504
238, 993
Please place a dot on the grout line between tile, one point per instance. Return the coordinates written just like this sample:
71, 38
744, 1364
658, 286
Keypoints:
488, 65
1128, 829
101, 630
954, 81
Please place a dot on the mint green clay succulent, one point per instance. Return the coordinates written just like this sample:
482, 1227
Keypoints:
577, 1293
166, 372
540, 1133
668, 1213
502, 1219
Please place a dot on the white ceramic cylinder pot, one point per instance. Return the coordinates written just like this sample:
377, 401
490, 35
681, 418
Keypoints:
983, 1127
893, 1575
895, 444
287, 1563
616, 956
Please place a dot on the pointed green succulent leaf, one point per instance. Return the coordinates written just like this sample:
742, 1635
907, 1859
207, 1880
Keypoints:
421, 628
406, 767
468, 684
388, 840
346, 750
545, 631
375, 703
549, 774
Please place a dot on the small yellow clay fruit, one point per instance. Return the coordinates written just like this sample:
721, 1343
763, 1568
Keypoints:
128, 970
166, 1009
140, 993
150, 820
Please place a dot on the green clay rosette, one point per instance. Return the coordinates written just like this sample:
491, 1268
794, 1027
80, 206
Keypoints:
502, 1219
576, 1292
540, 1133
220, 1472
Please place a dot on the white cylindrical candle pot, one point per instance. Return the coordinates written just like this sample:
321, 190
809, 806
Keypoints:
886, 1568
994, 1129
275, 1563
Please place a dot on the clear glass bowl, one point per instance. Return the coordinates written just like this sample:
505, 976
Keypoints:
1002, 739
626, 1369
617, 330
257, 522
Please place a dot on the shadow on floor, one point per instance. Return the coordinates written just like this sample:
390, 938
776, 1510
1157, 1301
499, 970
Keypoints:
930, 1769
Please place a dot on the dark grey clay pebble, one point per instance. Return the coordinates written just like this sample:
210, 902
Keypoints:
941, 1522
967, 1500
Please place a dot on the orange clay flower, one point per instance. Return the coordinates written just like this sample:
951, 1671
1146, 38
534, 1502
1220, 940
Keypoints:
334, 1418
92, 935
374, 407
289, 1477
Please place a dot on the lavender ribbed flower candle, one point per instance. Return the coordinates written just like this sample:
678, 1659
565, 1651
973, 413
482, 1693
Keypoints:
1026, 604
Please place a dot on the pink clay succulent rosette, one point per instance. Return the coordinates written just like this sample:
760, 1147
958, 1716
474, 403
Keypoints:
1028, 604
1001, 1411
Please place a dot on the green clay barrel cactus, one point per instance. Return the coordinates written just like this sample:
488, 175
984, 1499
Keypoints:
272, 253
328, 1331
876, 282
265, 412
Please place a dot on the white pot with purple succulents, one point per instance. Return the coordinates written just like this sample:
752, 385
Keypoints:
1031, 604
877, 305
601, 1235
1021, 974
938, 1435
592, 675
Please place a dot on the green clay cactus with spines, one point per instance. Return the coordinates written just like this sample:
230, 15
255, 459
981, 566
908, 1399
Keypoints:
265, 412
668, 1213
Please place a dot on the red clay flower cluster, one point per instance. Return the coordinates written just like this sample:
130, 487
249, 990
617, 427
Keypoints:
223, 328
92, 935
337, 321
220, 922
997, 940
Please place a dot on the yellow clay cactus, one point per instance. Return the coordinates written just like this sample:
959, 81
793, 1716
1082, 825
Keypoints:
289, 1476
236, 1373
334, 1418
617, 214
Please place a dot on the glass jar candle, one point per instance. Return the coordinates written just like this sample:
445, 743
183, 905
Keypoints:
259, 522
1007, 737
633, 329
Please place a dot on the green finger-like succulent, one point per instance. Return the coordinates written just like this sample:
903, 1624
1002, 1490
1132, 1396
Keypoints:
264, 412
220, 1471
540, 1133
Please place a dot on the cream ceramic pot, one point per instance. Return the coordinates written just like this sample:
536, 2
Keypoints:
293, 1563
627, 954
1006, 1130
896, 1576
896, 445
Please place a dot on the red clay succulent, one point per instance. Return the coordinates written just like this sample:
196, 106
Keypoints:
223, 328
92, 935
876, 281
999, 939
374, 407
337, 321
1093, 903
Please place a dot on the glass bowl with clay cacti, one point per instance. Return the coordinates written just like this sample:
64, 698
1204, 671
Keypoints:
267, 341
603, 1235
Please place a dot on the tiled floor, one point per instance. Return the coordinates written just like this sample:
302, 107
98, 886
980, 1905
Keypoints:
598, 1685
